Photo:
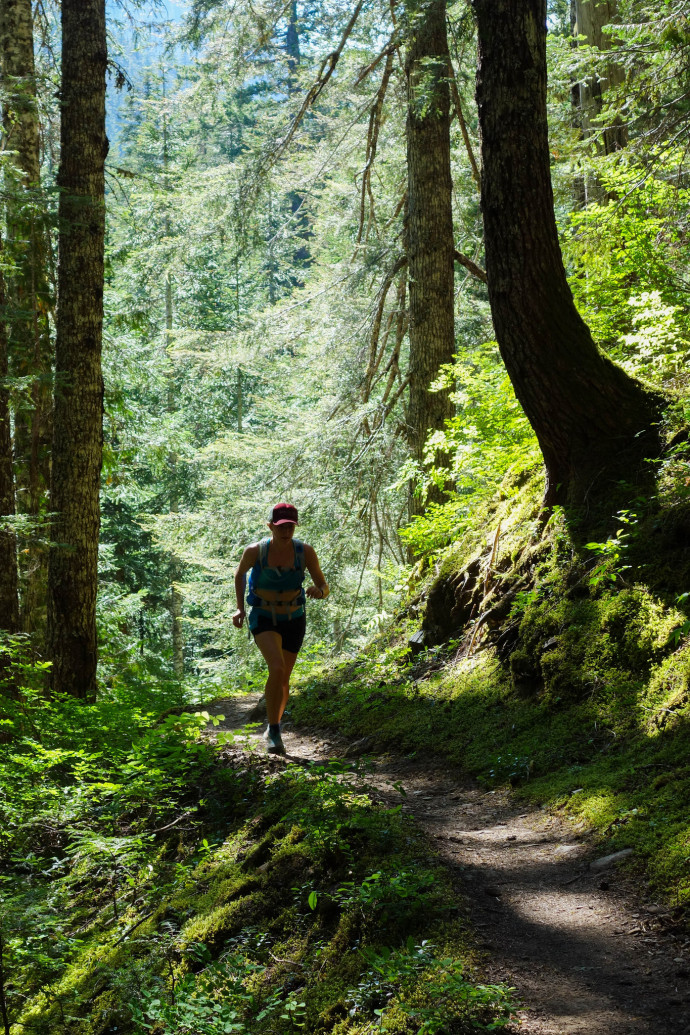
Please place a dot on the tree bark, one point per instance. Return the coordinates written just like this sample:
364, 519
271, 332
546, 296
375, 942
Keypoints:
292, 48
430, 245
175, 566
29, 296
590, 18
78, 437
594, 423
9, 603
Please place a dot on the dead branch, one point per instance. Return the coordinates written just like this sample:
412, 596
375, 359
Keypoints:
403, 385
133, 928
397, 211
470, 265
455, 94
326, 70
386, 52
377, 373
376, 326
361, 578
392, 367
372, 143
185, 815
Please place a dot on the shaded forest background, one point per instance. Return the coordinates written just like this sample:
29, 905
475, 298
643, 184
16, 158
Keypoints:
256, 341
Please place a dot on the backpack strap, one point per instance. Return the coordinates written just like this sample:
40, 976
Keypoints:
299, 555
263, 553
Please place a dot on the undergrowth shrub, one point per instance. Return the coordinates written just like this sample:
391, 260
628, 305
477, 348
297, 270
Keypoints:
149, 884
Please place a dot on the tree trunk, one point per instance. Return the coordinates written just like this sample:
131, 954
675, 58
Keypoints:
301, 256
175, 566
292, 39
590, 18
430, 244
29, 297
9, 604
78, 438
593, 422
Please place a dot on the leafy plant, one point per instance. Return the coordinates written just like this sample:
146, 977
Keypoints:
612, 551
513, 769
682, 630
431, 991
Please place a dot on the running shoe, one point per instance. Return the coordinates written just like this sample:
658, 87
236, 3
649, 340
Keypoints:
274, 742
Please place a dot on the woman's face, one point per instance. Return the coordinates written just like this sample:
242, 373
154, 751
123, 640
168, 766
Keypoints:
282, 533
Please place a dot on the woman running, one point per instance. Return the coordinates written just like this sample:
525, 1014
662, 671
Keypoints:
277, 598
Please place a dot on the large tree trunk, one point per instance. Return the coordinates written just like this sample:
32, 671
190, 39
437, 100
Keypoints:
77, 449
430, 245
28, 296
590, 17
593, 422
9, 604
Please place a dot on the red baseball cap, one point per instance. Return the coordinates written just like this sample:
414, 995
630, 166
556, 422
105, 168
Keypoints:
283, 514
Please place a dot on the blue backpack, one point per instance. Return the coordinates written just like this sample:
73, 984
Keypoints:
284, 587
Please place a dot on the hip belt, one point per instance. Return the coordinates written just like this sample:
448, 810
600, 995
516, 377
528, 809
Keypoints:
273, 603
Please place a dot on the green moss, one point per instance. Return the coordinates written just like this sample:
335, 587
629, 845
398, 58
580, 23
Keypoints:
274, 917
591, 694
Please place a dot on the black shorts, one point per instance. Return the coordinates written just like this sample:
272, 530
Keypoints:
291, 631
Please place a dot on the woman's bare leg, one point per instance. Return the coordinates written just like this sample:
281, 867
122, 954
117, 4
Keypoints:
289, 660
271, 646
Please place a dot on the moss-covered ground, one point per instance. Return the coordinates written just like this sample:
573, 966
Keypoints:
149, 884
193, 892
563, 670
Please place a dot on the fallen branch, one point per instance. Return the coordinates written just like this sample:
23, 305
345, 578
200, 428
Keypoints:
133, 927
185, 815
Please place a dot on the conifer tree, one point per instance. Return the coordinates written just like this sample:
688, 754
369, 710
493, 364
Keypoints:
430, 247
591, 17
28, 293
595, 424
9, 604
77, 446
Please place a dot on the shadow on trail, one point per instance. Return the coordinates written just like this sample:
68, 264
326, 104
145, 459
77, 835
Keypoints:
584, 955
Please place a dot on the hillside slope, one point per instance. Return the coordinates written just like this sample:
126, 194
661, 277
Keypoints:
557, 666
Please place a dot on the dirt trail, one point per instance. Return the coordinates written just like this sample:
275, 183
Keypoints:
586, 954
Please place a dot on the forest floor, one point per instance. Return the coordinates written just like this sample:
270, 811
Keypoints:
585, 951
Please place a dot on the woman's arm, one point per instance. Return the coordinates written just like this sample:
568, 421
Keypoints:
320, 588
249, 558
